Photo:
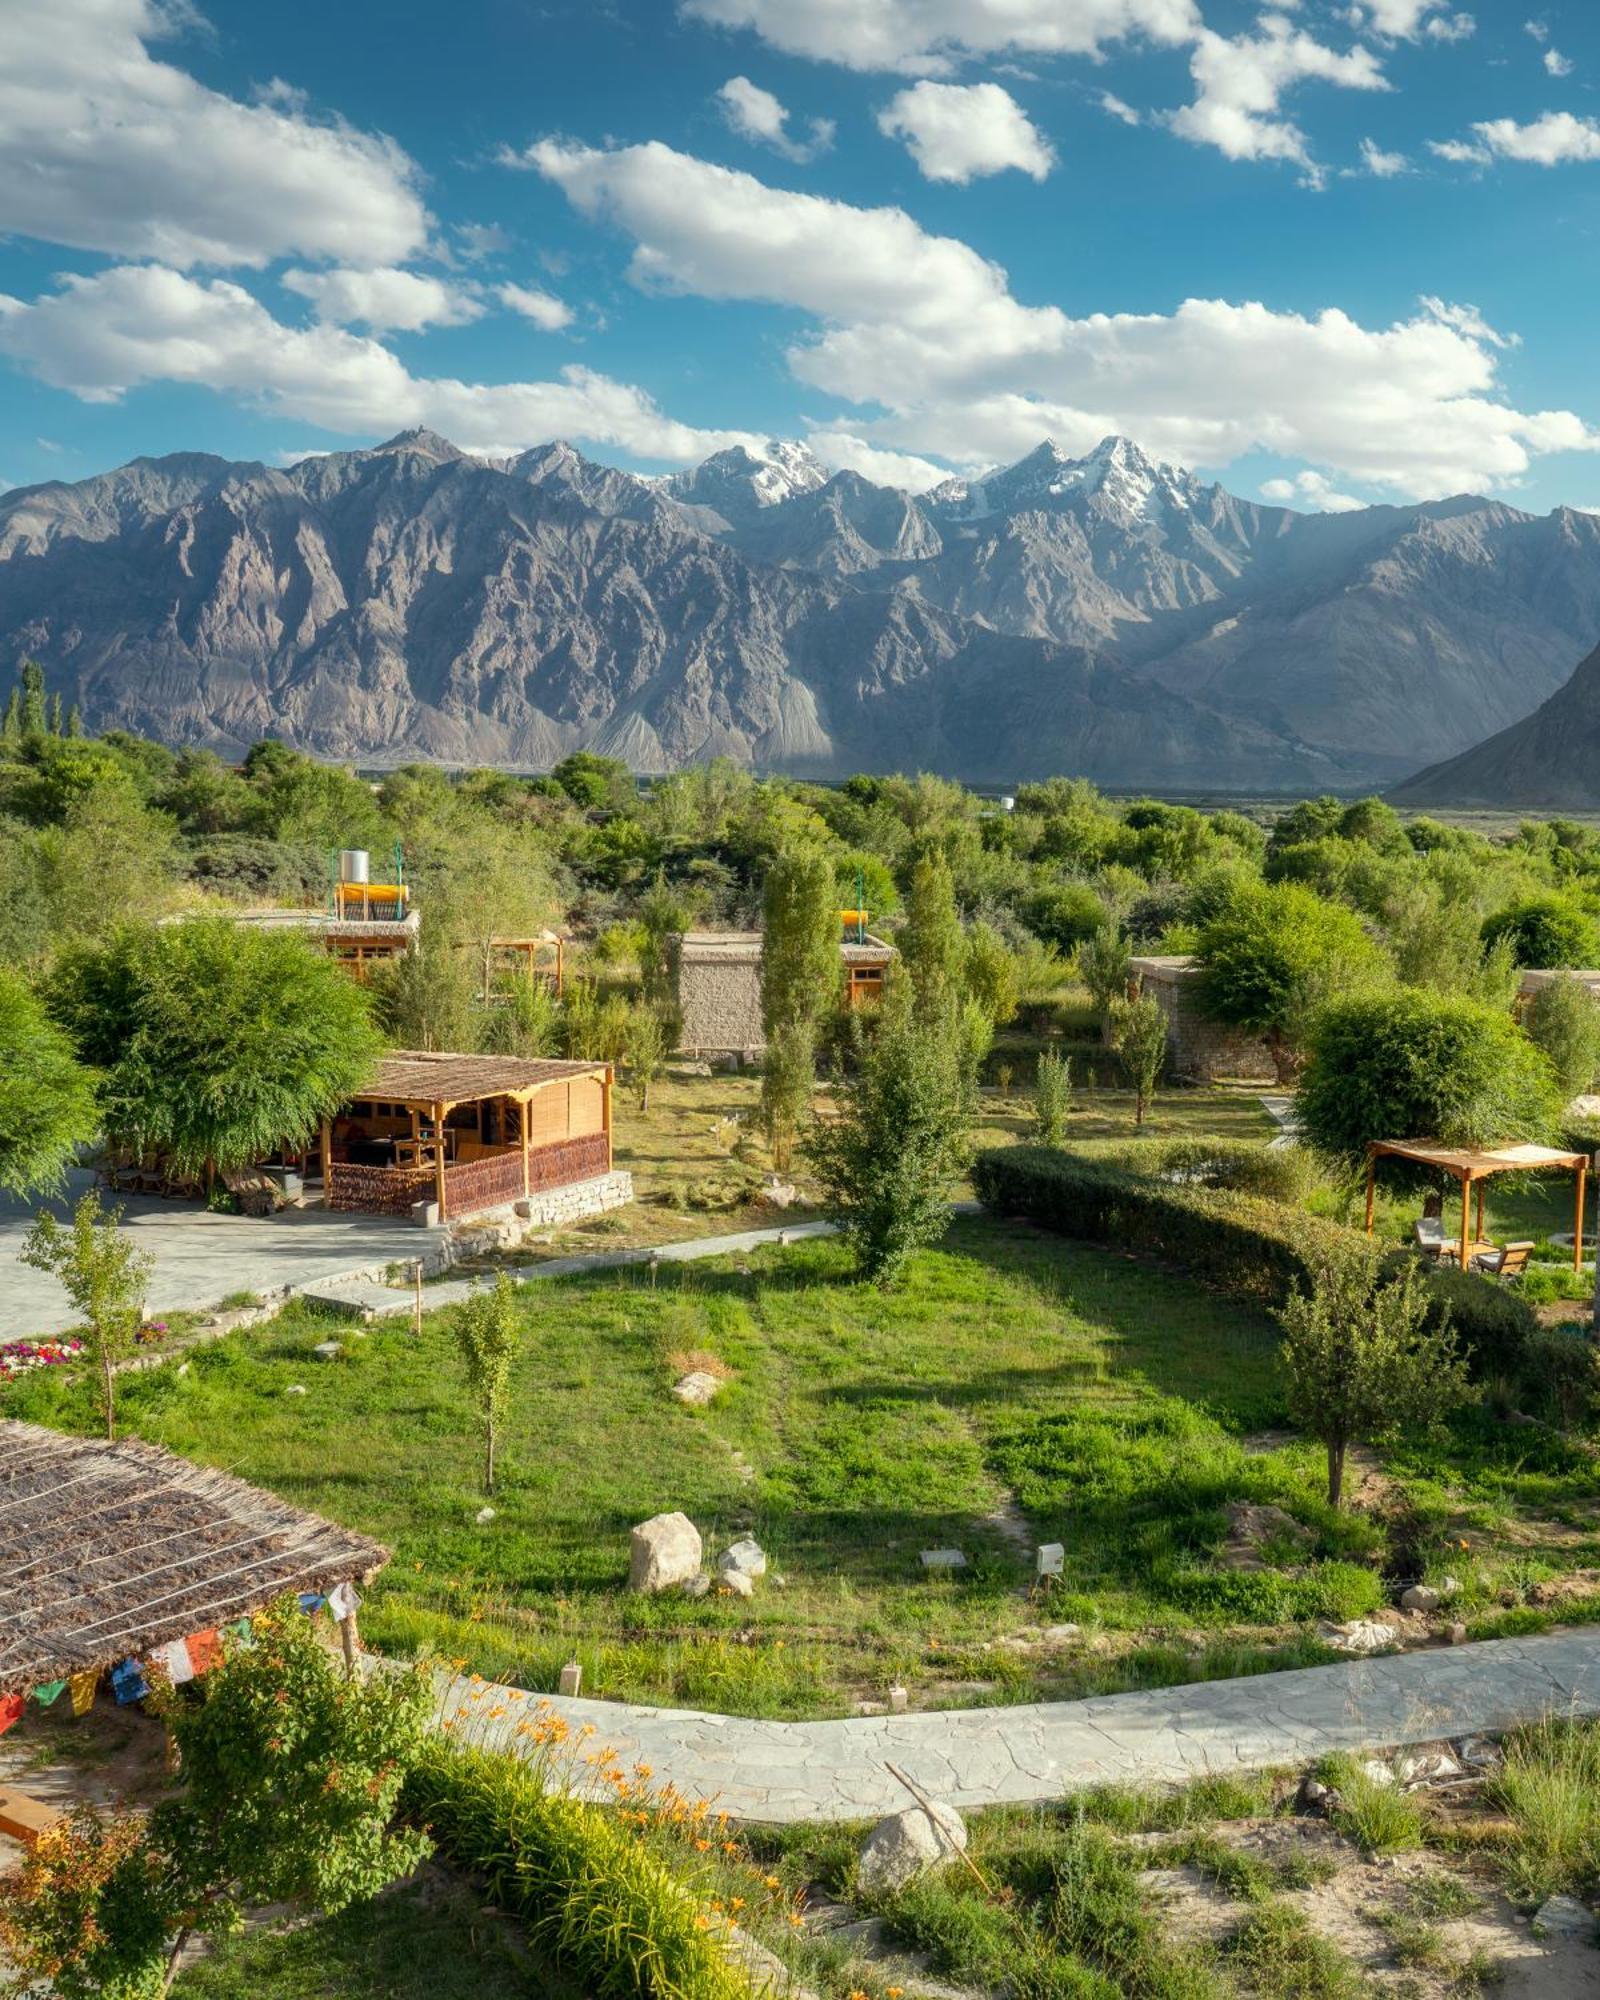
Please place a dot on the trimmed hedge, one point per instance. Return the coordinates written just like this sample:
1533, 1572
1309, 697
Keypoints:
1248, 1166
591, 1896
1255, 1249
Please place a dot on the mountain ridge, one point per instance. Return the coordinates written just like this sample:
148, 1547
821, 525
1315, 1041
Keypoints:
1108, 614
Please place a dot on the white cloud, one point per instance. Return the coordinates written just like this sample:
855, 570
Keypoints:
479, 242
384, 301
1408, 20
958, 132
1551, 141
1114, 107
1310, 489
1467, 320
1540, 30
545, 310
1451, 28
756, 114
101, 336
1381, 165
1556, 64
924, 337
930, 37
1240, 82
105, 148
845, 452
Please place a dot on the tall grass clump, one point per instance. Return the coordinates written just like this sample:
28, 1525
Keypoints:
1549, 1786
1378, 1817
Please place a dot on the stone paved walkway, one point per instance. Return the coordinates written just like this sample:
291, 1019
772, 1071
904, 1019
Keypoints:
789, 1771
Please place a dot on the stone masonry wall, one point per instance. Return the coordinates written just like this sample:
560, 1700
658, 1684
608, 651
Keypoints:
1197, 1046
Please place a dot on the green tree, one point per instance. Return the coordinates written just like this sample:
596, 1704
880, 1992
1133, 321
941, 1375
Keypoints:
1411, 1065
1052, 1097
219, 1042
105, 1276
990, 974
595, 782
89, 1913
488, 1329
931, 944
1271, 959
645, 1051
1364, 1356
1548, 933
889, 1163
800, 976
1563, 1019
1139, 1039
427, 997
1105, 965
47, 1098
35, 712
664, 913
1065, 914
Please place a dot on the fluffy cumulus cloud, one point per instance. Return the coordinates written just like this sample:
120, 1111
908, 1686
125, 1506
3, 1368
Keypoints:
384, 301
1555, 140
546, 311
101, 336
959, 132
757, 115
1240, 82
924, 337
1380, 165
1412, 20
930, 37
106, 147
1313, 490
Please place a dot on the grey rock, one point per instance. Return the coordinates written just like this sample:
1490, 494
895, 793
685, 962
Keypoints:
746, 1555
1433, 1764
697, 1388
1482, 1752
484, 1516
664, 1551
1563, 1916
1360, 1635
328, 1350
909, 1844
943, 1559
295, 1389
697, 1586
736, 1583
571, 1681
1377, 1772
1420, 1597
897, 1701
1457, 1634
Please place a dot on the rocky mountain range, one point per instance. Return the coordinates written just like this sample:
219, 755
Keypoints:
1548, 762
1106, 615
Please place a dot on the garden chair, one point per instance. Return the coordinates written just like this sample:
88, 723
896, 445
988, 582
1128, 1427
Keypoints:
1429, 1232
1511, 1262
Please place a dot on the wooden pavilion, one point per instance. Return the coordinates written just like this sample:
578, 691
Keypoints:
1472, 1169
113, 1550
466, 1132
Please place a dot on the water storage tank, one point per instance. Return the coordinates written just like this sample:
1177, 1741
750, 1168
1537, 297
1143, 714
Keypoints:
354, 866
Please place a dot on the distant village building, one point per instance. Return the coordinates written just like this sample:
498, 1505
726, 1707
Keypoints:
1198, 1046
364, 923
716, 986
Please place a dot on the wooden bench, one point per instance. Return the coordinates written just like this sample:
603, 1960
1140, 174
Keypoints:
25, 1818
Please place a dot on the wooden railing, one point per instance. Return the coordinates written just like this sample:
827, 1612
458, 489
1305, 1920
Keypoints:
568, 1160
469, 1185
482, 1183
379, 1190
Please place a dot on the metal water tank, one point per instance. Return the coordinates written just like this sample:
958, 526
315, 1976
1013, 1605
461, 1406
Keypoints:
355, 866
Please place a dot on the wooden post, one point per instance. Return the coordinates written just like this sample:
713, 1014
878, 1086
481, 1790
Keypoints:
1372, 1187
524, 1106
349, 1644
438, 1158
416, 1308
1481, 1186
327, 1164
1466, 1222
1577, 1233
605, 1112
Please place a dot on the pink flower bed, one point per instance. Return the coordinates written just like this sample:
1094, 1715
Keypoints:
18, 1356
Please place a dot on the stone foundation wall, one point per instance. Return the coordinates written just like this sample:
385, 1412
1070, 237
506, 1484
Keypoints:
503, 1228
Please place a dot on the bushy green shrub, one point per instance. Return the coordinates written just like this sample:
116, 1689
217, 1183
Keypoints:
590, 1894
1546, 932
1238, 1242
1287, 1174
1411, 1065
1563, 1019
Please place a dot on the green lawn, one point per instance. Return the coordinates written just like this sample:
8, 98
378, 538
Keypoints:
426, 1940
1019, 1389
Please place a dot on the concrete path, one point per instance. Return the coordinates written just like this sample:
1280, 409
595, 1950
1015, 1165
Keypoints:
201, 1258
792, 1771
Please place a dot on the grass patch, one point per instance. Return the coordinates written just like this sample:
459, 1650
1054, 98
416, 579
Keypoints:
1283, 1958
1549, 1787
1378, 1817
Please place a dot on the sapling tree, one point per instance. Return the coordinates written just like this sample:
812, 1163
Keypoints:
800, 974
645, 1051
488, 1330
888, 1165
1139, 1038
1365, 1354
105, 1275
1052, 1097
1105, 965
788, 1076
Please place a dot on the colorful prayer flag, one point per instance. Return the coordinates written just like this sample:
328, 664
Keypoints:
10, 1711
83, 1687
343, 1601
205, 1650
173, 1659
49, 1691
128, 1681
311, 1602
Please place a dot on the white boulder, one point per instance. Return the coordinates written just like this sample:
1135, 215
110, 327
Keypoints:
697, 1388
1563, 1916
909, 1844
736, 1583
745, 1555
663, 1551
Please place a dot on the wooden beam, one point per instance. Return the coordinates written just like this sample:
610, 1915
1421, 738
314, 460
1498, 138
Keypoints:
1480, 1210
438, 1159
1577, 1231
1466, 1222
605, 1113
522, 1120
327, 1162
1372, 1185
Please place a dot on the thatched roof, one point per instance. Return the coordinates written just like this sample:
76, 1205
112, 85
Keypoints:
112, 1549
425, 1076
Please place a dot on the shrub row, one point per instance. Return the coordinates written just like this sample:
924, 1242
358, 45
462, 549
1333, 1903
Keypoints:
1250, 1247
592, 1897
1278, 1173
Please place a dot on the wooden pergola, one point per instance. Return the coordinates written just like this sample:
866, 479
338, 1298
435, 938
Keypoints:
1472, 1169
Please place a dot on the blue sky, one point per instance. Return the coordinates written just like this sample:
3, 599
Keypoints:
1331, 252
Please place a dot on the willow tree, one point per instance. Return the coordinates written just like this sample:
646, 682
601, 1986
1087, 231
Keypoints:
47, 1097
219, 1042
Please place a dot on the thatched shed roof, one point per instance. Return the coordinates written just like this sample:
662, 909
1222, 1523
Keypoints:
426, 1076
112, 1549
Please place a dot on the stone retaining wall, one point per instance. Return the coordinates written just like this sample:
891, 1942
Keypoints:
503, 1228
1197, 1046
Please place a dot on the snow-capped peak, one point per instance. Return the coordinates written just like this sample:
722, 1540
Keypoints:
738, 480
1124, 480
